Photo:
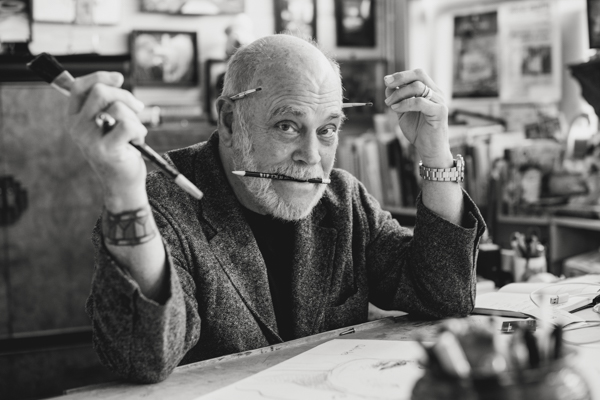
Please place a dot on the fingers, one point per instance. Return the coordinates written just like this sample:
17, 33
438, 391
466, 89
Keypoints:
420, 104
128, 128
403, 78
83, 85
414, 89
101, 96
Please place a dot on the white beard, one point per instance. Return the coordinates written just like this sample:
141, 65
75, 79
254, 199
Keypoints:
262, 189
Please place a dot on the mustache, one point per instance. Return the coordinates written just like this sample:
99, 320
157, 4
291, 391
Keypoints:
298, 172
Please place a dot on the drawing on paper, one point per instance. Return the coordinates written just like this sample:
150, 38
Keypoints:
340, 369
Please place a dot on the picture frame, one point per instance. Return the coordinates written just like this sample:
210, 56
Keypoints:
362, 81
475, 56
193, 7
355, 23
593, 19
164, 58
214, 72
298, 16
15, 22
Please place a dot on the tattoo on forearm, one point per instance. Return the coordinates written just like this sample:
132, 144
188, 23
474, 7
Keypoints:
129, 228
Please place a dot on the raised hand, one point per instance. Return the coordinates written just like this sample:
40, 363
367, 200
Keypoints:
422, 115
119, 166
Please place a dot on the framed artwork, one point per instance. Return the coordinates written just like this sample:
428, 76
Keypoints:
475, 55
593, 18
296, 16
164, 58
15, 21
193, 7
214, 74
362, 81
355, 23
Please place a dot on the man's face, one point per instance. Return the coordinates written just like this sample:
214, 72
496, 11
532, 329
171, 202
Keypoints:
292, 129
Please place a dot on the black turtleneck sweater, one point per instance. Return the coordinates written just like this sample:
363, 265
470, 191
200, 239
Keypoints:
275, 239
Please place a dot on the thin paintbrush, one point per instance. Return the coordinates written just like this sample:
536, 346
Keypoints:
51, 71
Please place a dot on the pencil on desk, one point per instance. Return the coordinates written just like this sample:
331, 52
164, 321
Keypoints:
51, 71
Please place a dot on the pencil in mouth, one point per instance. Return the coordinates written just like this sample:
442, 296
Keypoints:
276, 176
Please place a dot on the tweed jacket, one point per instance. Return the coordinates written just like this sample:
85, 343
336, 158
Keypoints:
347, 253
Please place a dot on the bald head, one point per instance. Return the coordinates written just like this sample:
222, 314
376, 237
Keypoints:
281, 54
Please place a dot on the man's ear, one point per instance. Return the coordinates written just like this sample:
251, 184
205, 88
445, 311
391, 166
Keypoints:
225, 121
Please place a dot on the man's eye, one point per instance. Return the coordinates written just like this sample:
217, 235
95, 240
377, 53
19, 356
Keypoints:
286, 127
329, 131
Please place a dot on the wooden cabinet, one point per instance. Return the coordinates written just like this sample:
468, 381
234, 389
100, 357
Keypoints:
46, 254
47, 257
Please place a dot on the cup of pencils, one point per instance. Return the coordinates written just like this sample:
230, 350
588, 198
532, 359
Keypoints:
474, 362
530, 257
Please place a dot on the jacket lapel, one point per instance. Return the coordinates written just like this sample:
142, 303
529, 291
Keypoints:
312, 271
231, 239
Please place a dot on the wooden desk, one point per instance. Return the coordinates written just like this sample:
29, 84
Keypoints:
193, 380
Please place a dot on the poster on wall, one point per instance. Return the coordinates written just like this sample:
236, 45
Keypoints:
15, 21
297, 16
193, 7
530, 57
355, 23
164, 58
475, 59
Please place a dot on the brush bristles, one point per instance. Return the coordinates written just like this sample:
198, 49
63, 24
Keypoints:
46, 67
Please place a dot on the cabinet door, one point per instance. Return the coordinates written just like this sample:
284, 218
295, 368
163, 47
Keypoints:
48, 251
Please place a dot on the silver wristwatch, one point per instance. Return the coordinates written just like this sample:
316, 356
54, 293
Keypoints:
454, 174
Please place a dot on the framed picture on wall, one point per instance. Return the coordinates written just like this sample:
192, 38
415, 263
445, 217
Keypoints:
476, 55
193, 7
355, 23
214, 74
362, 81
593, 17
164, 58
15, 21
296, 16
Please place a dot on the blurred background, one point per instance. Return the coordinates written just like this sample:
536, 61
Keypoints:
521, 79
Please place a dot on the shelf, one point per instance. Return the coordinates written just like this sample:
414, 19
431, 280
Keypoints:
578, 223
523, 220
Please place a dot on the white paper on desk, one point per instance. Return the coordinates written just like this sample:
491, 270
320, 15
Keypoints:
338, 369
520, 302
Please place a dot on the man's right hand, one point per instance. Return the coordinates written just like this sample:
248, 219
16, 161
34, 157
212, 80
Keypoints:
119, 166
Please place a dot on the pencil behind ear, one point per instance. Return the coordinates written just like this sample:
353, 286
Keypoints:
225, 120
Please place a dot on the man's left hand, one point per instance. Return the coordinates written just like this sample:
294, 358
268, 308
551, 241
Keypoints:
423, 120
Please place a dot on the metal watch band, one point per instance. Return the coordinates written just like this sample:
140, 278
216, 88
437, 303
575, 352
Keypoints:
454, 174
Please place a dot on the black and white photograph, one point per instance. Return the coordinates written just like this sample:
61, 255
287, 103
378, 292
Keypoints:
299, 199
298, 16
355, 23
164, 58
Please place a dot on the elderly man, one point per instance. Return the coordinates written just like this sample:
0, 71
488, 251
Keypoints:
260, 261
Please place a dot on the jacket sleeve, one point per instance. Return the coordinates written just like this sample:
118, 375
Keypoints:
138, 338
429, 273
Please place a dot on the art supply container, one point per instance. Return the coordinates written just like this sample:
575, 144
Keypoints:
555, 380
523, 267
